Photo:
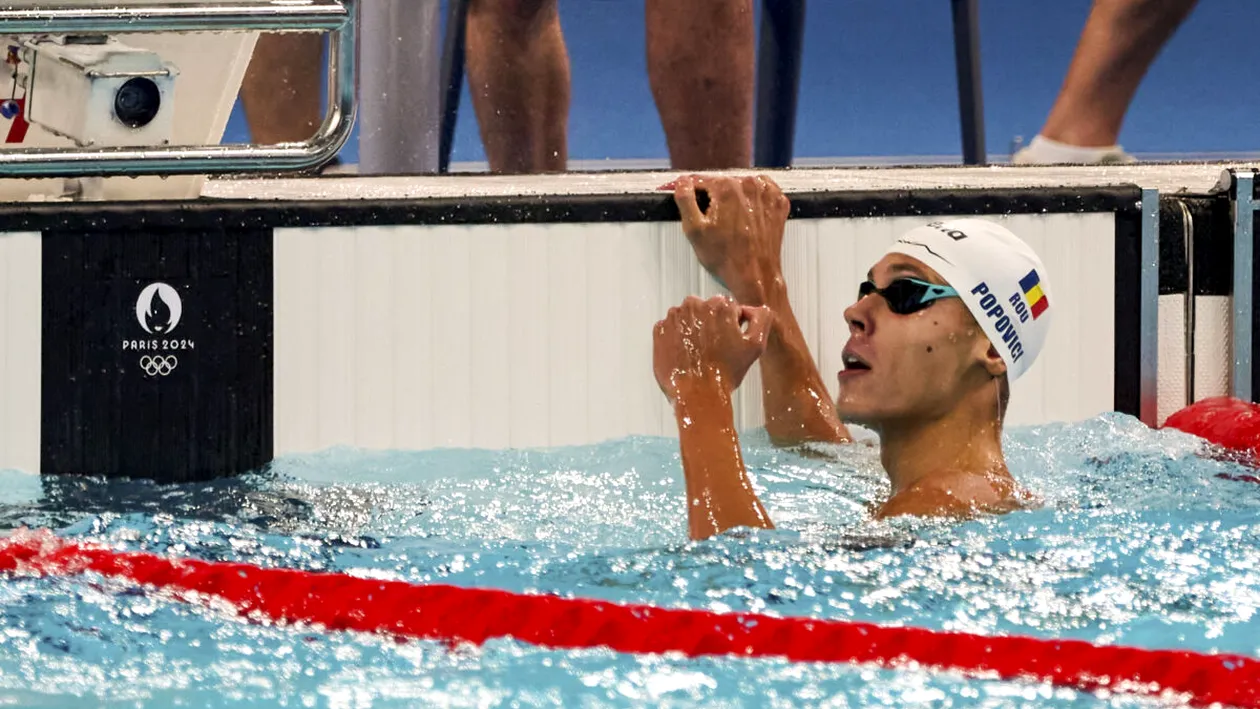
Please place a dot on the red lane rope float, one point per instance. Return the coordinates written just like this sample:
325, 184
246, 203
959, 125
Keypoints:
455, 614
1223, 420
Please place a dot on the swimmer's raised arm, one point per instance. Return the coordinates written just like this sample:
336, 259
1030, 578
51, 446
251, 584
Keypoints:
700, 354
739, 239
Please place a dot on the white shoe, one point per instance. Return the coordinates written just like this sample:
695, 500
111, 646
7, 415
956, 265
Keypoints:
1043, 151
1025, 156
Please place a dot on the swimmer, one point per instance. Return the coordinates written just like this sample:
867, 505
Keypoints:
951, 314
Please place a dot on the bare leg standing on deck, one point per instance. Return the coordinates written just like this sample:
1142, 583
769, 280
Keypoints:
281, 89
518, 73
702, 66
1118, 45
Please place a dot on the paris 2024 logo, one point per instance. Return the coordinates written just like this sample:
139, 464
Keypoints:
159, 310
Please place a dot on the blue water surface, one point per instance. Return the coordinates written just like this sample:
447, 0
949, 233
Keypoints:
1145, 539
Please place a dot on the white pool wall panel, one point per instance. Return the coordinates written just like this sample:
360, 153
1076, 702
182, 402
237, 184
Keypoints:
530, 335
1213, 338
20, 334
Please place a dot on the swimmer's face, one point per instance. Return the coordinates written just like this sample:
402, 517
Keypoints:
914, 367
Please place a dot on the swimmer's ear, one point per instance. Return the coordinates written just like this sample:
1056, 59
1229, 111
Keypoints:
987, 355
993, 362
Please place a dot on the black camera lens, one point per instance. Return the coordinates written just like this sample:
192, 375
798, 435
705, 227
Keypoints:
137, 102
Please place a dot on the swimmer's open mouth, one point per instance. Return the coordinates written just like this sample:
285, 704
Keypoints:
853, 362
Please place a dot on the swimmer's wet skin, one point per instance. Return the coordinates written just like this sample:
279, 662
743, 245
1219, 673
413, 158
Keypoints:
951, 314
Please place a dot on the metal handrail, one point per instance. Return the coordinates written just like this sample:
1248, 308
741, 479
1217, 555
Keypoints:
327, 15
339, 17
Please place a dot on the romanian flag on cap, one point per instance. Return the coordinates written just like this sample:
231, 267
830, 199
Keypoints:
1031, 285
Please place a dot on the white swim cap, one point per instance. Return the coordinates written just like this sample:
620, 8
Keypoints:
999, 278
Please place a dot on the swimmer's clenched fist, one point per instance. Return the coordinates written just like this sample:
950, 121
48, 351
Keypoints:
701, 352
706, 340
739, 238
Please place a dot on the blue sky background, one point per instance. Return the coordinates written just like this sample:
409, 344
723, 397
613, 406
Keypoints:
878, 80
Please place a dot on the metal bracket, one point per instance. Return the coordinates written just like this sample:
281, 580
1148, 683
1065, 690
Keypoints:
1191, 310
338, 17
1242, 186
1148, 310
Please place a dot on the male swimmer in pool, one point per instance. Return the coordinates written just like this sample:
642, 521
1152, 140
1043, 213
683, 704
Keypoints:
947, 317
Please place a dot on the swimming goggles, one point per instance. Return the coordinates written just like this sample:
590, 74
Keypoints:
908, 295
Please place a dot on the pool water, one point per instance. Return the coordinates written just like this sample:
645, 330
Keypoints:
1144, 539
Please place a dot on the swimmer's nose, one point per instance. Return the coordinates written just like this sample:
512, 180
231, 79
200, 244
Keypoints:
858, 316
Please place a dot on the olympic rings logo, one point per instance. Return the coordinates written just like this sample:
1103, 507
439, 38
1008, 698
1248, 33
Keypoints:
158, 365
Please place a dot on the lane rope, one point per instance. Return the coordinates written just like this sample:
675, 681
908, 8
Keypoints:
1225, 421
472, 615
